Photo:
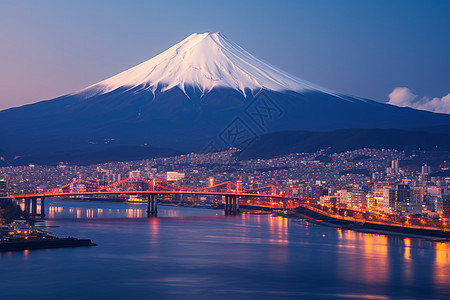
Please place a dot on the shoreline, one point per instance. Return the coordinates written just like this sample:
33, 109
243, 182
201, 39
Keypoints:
368, 227
35, 244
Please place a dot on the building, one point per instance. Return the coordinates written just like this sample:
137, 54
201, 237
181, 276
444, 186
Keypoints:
318, 191
417, 194
135, 174
328, 200
353, 198
389, 172
77, 187
3, 187
174, 176
426, 173
426, 170
398, 199
446, 207
395, 166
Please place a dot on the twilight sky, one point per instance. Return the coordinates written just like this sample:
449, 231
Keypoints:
394, 51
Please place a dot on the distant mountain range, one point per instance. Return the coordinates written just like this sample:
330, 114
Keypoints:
205, 93
280, 143
266, 146
108, 154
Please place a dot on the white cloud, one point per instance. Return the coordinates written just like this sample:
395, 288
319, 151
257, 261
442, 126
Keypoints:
402, 96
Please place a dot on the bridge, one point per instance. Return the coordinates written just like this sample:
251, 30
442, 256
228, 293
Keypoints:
231, 193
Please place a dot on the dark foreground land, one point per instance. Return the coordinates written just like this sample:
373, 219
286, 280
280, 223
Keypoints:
44, 244
371, 227
14, 240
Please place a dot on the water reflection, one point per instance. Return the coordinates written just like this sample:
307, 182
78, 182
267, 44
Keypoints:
407, 250
278, 229
57, 209
171, 212
379, 265
134, 213
89, 213
279, 235
407, 265
374, 251
366, 259
442, 266
154, 231
54, 211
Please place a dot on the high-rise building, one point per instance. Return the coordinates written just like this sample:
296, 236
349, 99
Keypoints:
417, 195
395, 166
426, 173
3, 187
318, 191
397, 198
426, 170
446, 207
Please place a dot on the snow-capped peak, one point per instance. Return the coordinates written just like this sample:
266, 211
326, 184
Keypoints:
203, 61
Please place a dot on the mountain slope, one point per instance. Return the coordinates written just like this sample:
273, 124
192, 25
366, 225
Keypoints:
280, 143
202, 62
189, 97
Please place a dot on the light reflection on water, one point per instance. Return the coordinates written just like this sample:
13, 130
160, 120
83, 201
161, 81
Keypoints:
193, 253
64, 209
442, 265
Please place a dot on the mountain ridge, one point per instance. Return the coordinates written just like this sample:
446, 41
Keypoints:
138, 110
270, 145
204, 61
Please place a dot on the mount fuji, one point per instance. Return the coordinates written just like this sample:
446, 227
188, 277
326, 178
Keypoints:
188, 98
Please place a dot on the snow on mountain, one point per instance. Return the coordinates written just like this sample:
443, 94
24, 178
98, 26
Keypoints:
204, 61
120, 112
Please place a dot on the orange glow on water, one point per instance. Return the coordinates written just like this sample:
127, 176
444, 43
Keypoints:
407, 251
442, 263
89, 213
134, 213
278, 230
407, 268
374, 249
154, 231
53, 211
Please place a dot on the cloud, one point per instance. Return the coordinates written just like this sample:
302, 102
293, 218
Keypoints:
402, 96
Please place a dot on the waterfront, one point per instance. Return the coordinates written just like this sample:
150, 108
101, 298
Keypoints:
193, 253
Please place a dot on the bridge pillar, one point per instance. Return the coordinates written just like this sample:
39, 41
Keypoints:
34, 206
27, 205
152, 207
42, 212
235, 204
227, 205
284, 204
231, 205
